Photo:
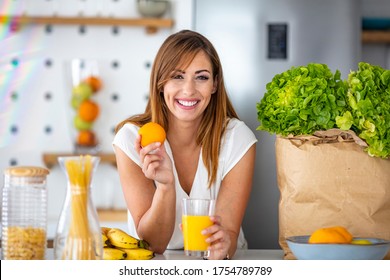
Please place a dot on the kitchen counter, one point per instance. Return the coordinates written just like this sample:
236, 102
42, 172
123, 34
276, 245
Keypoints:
179, 255
240, 255
254, 254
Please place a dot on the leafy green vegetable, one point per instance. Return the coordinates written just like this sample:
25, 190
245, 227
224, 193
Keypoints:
308, 98
302, 100
369, 108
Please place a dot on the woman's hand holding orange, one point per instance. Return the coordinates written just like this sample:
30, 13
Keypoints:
156, 164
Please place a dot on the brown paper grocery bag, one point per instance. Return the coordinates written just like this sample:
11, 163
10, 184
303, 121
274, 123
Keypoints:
328, 180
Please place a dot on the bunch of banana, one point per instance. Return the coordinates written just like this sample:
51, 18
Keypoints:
105, 230
113, 254
138, 254
118, 245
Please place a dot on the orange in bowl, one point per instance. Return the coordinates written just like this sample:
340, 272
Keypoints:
88, 110
86, 138
336, 235
95, 83
150, 133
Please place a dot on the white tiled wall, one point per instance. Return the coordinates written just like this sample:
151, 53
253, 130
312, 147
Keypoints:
35, 83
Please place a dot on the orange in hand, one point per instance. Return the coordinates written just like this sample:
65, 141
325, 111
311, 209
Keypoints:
151, 132
335, 234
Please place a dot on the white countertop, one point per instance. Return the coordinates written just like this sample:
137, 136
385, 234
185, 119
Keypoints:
253, 254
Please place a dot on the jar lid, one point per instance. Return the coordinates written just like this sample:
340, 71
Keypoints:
26, 171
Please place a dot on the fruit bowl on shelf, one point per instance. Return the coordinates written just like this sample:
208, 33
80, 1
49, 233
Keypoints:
358, 249
86, 84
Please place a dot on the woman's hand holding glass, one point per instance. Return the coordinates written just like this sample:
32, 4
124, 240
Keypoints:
219, 240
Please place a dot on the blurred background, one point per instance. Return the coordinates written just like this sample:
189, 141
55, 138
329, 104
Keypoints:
40, 39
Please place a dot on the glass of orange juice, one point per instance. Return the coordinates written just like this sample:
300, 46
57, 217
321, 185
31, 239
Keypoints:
195, 218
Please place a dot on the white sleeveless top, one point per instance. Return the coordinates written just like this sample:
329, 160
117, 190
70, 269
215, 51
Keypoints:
237, 141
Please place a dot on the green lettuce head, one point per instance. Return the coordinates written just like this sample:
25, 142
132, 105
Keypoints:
302, 100
369, 108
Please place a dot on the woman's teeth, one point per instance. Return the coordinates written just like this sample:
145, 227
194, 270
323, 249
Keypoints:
187, 103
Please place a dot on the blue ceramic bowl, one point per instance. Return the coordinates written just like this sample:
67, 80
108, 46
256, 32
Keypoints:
303, 250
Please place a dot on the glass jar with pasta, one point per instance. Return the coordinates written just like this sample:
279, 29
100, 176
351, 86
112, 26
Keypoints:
78, 235
24, 213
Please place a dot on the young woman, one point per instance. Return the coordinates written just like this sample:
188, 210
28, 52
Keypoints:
208, 153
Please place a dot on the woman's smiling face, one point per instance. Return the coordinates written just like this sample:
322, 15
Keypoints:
188, 92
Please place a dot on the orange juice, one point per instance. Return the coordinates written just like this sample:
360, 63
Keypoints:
192, 227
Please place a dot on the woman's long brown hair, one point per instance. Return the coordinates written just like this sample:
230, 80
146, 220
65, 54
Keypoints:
177, 52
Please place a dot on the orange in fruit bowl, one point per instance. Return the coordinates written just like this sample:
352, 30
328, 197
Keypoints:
94, 82
337, 235
150, 133
337, 243
303, 250
88, 110
86, 138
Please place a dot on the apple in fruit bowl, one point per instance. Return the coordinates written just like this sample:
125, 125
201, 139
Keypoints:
80, 124
82, 91
76, 101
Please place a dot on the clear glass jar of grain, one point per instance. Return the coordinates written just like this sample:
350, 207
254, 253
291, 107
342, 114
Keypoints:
24, 213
